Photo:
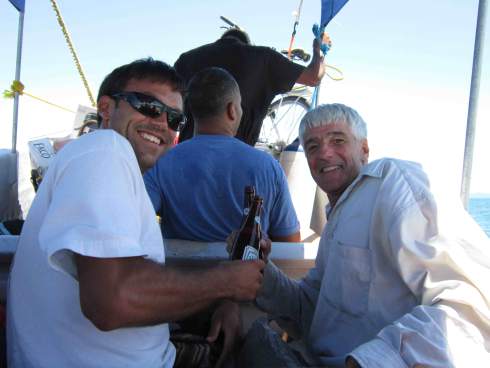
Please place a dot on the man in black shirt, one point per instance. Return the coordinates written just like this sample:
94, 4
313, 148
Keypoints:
261, 73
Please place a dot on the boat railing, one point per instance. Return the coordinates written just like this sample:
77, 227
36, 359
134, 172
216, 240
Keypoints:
294, 259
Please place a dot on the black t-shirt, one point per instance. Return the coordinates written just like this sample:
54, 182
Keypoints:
260, 72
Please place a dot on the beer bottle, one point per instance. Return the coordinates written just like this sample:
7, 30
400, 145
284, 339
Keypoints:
247, 241
247, 202
259, 230
248, 198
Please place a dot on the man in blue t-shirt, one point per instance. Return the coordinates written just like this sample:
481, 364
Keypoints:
197, 187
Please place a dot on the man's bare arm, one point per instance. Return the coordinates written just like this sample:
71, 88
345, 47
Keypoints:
313, 73
133, 291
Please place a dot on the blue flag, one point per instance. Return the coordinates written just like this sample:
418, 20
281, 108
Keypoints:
19, 4
329, 9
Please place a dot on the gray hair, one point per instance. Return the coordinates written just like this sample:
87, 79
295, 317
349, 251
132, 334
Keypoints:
330, 114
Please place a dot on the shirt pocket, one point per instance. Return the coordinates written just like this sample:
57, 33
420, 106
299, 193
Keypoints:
348, 278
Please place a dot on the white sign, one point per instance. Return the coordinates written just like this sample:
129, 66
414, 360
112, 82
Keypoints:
41, 152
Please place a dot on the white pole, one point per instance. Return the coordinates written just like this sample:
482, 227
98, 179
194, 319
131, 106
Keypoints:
473, 103
17, 78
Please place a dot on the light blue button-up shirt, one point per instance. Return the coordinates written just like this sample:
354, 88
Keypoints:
398, 280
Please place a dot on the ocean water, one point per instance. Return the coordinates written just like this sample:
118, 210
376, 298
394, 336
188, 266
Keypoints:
479, 208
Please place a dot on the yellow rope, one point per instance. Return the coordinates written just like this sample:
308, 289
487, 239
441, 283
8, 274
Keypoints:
335, 78
49, 103
72, 50
18, 87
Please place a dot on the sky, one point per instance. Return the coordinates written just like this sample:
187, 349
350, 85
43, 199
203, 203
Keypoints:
406, 64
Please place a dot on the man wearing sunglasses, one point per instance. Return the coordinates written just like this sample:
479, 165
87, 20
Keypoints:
89, 286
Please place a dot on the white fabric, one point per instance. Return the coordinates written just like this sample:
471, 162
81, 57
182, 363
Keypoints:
301, 187
92, 201
400, 278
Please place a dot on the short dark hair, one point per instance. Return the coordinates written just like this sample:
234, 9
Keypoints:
239, 34
149, 68
209, 92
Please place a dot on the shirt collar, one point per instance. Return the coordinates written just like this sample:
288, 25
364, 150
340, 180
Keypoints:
373, 169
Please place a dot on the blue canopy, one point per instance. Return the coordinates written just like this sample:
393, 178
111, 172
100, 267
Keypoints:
19, 4
329, 9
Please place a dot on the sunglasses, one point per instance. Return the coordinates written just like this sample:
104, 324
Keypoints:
152, 108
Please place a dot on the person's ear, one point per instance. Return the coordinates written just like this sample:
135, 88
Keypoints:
231, 111
365, 151
105, 107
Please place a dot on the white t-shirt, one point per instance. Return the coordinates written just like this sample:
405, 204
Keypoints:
93, 202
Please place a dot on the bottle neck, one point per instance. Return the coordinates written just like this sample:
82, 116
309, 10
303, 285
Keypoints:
254, 214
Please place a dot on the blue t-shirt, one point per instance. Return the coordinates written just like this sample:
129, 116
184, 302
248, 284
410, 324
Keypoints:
198, 186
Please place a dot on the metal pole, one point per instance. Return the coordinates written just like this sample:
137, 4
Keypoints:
473, 103
315, 101
17, 78
296, 22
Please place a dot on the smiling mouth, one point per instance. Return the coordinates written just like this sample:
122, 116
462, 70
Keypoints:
150, 138
328, 169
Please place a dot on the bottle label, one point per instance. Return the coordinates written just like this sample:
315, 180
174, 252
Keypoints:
250, 253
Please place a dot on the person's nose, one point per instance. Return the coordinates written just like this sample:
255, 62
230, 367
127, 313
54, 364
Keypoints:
326, 150
160, 122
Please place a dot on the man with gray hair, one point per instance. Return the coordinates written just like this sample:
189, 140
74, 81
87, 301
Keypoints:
398, 281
